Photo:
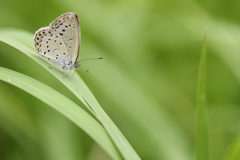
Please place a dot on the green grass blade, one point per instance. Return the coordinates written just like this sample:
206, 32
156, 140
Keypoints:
23, 130
76, 85
62, 105
202, 131
120, 141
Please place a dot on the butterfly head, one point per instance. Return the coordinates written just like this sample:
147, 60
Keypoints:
76, 65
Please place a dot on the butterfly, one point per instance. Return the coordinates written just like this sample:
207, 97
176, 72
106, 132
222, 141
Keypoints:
60, 42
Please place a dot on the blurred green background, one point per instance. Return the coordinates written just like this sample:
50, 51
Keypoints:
146, 82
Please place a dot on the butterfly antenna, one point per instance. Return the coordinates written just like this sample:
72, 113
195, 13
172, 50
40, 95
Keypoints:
85, 69
90, 59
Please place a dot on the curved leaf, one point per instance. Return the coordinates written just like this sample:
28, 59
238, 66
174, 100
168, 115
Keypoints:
76, 85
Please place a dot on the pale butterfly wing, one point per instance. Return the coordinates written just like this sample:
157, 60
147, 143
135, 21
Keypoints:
50, 45
67, 25
59, 43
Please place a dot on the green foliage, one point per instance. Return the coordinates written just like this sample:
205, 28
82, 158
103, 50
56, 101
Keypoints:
202, 145
62, 104
146, 83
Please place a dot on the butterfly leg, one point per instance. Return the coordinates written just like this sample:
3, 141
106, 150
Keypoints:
52, 68
71, 73
65, 73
